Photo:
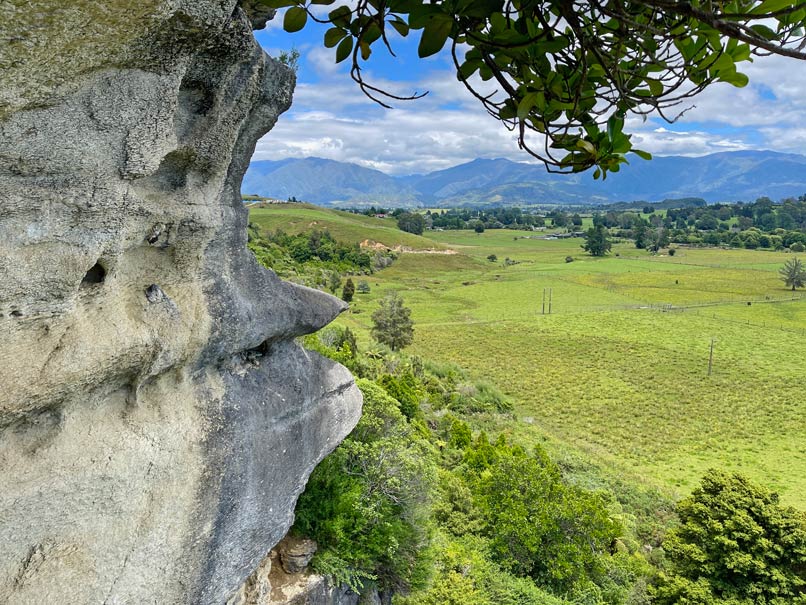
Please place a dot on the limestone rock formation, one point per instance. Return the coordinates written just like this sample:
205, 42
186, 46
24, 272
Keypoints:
296, 553
272, 584
157, 420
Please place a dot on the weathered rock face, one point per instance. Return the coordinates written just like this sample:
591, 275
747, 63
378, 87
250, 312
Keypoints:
273, 584
157, 421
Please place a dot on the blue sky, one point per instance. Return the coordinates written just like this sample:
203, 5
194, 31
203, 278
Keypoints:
331, 118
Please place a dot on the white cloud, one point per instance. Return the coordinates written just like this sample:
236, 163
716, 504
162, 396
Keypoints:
333, 119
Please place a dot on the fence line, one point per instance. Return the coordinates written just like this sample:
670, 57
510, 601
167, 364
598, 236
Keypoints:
694, 308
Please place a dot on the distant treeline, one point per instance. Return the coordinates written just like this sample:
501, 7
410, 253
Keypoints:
505, 217
760, 224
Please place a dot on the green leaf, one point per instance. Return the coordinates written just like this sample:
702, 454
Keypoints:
723, 63
295, 19
340, 16
422, 14
764, 31
741, 53
400, 26
344, 49
468, 68
621, 144
587, 146
614, 125
323, 2
739, 80
526, 104
435, 34
371, 33
655, 86
642, 154
333, 36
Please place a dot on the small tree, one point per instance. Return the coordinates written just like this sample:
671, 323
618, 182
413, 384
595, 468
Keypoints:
411, 222
363, 287
333, 281
793, 274
391, 323
597, 242
348, 290
736, 544
657, 239
492, 258
641, 234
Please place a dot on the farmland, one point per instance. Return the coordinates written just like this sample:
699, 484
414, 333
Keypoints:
618, 371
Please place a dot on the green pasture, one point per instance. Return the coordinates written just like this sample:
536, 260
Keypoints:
613, 371
619, 369
631, 389
343, 226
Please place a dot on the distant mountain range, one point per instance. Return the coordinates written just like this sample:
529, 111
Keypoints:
720, 177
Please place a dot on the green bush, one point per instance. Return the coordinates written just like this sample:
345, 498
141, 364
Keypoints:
477, 397
736, 545
539, 527
367, 503
405, 390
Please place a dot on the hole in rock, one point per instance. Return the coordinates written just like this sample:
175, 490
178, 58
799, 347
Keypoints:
258, 351
96, 275
173, 171
154, 294
16, 313
195, 97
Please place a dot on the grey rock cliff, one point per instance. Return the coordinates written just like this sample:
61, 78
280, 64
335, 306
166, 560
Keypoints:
157, 420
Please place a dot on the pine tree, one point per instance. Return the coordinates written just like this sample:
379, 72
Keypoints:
348, 290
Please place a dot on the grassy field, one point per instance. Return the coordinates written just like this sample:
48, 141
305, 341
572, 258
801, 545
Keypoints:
619, 369
344, 226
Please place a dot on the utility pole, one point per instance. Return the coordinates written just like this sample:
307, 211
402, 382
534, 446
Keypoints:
711, 356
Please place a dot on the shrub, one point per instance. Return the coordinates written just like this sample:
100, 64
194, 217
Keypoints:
569, 259
391, 323
736, 544
405, 390
366, 504
557, 534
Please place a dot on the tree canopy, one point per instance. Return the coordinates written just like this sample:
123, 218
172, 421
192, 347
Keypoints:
736, 545
597, 242
411, 222
564, 74
391, 323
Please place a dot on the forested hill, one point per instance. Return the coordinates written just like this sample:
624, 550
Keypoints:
728, 176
